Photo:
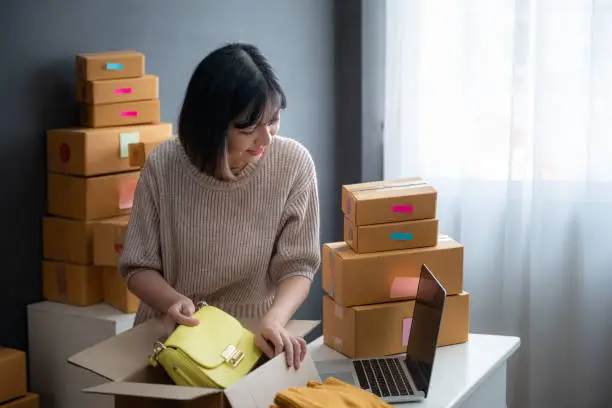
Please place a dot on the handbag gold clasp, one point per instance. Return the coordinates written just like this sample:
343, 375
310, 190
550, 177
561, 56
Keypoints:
158, 347
232, 355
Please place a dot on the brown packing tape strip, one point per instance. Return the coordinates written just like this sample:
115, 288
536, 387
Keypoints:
62, 286
350, 232
136, 154
385, 187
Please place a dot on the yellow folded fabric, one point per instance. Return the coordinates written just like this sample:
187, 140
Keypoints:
331, 393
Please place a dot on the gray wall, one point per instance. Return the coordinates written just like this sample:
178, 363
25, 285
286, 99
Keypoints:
360, 68
315, 46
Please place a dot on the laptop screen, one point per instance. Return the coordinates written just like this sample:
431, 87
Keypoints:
423, 338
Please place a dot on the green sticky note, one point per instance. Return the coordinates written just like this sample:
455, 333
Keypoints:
124, 140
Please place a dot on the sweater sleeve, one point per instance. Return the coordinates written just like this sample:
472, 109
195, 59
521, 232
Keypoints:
297, 247
141, 249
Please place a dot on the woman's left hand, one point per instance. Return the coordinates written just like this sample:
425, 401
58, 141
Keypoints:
272, 338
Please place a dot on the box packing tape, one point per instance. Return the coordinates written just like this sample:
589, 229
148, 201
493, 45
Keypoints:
137, 154
332, 254
350, 233
337, 343
393, 185
387, 187
338, 312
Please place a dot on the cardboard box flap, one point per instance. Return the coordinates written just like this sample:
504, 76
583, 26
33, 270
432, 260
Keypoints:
160, 391
123, 355
295, 327
257, 391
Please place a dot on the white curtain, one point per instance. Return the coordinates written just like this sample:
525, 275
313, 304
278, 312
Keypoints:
506, 107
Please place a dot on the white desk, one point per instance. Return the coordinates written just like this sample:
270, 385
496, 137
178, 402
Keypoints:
468, 375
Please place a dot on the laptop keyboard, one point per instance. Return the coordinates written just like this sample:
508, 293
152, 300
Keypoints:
384, 377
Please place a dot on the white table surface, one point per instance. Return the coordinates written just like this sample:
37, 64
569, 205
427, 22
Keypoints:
458, 369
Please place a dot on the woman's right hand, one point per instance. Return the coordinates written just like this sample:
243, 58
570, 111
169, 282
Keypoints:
181, 312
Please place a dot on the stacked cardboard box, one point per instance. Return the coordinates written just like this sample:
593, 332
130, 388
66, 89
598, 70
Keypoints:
13, 381
371, 278
91, 178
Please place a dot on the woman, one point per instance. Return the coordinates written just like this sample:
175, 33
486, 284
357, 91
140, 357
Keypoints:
228, 212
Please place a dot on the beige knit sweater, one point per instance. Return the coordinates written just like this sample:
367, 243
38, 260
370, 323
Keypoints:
228, 243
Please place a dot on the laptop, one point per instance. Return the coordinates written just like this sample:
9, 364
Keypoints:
406, 378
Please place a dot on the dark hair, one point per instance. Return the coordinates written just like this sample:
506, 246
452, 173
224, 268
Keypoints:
234, 84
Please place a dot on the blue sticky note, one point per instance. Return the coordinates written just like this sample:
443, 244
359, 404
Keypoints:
125, 139
114, 66
401, 236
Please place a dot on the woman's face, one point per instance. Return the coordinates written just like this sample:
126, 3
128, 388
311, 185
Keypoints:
248, 144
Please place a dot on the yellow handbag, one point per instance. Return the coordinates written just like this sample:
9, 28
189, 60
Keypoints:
214, 354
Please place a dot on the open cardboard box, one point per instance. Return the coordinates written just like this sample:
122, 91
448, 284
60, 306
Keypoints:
123, 361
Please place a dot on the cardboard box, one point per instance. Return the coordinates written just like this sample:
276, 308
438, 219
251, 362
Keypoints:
382, 329
116, 292
31, 400
118, 90
79, 285
57, 331
381, 202
120, 114
13, 379
91, 198
123, 360
391, 237
108, 239
70, 241
353, 279
110, 65
67, 240
97, 151
139, 152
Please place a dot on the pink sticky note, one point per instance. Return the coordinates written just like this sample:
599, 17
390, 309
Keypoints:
120, 91
129, 113
403, 287
126, 195
402, 208
406, 325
